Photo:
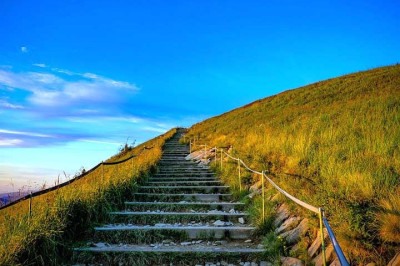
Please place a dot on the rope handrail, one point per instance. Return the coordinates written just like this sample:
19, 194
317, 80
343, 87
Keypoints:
319, 211
233, 158
41, 192
296, 200
248, 168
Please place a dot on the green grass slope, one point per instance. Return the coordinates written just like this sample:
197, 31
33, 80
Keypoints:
333, 144
63, 217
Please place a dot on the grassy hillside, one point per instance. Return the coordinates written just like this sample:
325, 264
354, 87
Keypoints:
64, 215
333, 144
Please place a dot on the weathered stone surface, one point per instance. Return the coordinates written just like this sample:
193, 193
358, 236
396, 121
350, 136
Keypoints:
282, 213
256, 186
293, 236
316, 245
101, 245
219, 223
288, 261
296, 248
318, 261
336, 262
395, 261
287, 225
254, 193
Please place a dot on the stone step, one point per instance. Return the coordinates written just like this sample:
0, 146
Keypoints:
188, 182
178, 166
161, 213
174, 158
162, 170
183, 247
183, 217
185, 205
204, 172
178, 154
176, 161
170, 253
189, 232
181, 196
182, 179
181, 188
171, 149
183, 174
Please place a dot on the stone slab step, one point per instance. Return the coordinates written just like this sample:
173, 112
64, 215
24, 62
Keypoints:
185, 182
182, 179
224, 206
196, 248
212, 213
180, 173
184, 196
192, 232
170, 170
181, 188
176, 161
184, 174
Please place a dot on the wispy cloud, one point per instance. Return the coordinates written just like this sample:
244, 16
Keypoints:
10, 142
155, 129
100, 142
7, 105
60, 89
23, 133
40, 65
46, 107
24, 49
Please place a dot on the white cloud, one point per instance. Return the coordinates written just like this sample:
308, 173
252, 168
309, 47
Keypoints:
10, 142
40, 65
24, 133
155, 129
24, 49
100, 142
8, 105
64, 71
52, 90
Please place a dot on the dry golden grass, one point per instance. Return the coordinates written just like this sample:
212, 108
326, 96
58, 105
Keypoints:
339, 141
65, 214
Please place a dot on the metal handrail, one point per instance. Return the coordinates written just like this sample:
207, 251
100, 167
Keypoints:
335, 243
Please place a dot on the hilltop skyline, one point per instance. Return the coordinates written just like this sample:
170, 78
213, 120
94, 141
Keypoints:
78, 79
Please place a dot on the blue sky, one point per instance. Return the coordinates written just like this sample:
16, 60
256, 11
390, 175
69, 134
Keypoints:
80, 78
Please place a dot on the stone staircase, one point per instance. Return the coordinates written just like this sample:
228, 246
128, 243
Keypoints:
182, 215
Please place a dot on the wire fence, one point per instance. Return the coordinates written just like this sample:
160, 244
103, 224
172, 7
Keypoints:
321, 214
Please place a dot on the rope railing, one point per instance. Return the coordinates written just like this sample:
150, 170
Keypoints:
31, 195
321, 214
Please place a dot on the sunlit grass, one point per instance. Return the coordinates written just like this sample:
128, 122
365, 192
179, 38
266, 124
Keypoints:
62, 216
334, 144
